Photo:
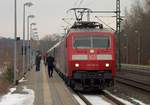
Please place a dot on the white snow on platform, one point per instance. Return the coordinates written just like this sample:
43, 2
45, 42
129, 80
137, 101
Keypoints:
135, 100
18, 99
81, 102
96, 100
22, 80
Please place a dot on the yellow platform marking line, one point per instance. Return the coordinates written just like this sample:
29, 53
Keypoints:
46, 89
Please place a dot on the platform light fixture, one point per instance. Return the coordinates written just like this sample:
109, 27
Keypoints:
27, 4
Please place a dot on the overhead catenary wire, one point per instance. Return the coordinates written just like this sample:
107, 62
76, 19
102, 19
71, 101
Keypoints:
64, 19
90, 3
76, 2
110, 18
104, 23
80, 3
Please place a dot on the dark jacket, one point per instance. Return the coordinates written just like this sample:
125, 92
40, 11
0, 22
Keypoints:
38, 59
50, 61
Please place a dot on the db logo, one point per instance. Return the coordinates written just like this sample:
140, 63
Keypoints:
92, 57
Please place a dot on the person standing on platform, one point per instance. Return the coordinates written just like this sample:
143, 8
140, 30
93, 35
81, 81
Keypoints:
38, 61
50, 64
45, 58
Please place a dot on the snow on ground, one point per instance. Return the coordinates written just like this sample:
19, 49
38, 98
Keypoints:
124, 101
135, 100
12, 90
120, 99
96, 100
18, 99
81, 102
22, 80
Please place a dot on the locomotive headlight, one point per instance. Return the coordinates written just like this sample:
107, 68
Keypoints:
107, 65
76, 65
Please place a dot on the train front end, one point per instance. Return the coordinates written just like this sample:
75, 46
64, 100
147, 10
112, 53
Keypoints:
91, 59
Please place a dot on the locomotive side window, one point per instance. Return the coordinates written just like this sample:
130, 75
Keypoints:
100, 42
91, 42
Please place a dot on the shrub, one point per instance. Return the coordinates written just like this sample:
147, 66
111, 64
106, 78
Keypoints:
8, 75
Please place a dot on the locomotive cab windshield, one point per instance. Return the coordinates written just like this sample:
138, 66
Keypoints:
91, 42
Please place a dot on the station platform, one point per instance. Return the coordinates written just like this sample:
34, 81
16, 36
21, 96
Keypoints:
48, 91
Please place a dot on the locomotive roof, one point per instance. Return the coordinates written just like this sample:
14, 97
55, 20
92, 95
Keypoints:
91, 30
88, 26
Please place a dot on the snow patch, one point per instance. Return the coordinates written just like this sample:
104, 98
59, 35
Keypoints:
81, 102
96, 100
22, 80
18, 99
12, 90
135, 100
120, 99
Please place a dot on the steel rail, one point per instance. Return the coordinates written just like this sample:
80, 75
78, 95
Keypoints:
133, 83
105, 94
84, 99
137, 67
138, 72
112, 98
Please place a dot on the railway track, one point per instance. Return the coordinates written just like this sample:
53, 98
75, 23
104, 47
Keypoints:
136, 69
134, 83
136, 76
138, 72
86, 101
104, 98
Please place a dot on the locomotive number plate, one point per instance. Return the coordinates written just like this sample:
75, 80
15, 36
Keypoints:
92, 57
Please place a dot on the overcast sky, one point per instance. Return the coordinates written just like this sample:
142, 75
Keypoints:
49, 13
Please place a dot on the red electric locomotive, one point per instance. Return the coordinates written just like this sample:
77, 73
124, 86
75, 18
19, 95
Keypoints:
86, 56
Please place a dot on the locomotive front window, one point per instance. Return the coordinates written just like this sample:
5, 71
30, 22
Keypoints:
91, 42
100, 42
82, 42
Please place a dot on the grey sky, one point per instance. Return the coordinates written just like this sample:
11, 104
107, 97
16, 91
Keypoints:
48, 13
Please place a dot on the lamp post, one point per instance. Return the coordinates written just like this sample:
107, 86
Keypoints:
35, 33
139, 47
15, 37
32, 33
34, 38
33, 44
127, 48
31, 29
34, 29
29, 4
28, 43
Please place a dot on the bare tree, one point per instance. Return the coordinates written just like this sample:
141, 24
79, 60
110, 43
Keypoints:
48, 41
136, 26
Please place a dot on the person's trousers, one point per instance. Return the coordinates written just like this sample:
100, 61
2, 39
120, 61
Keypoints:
38, 67
50, 71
